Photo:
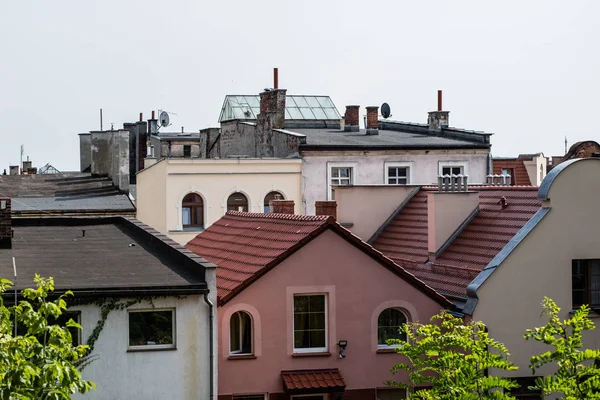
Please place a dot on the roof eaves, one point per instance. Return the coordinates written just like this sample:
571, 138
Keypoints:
322, 147
505, 252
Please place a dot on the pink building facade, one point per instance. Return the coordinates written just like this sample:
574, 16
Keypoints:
312, 322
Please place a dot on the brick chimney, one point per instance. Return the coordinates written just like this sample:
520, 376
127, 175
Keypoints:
438, 119
326, 208
5, 223
351, 119
372, 120
282, 206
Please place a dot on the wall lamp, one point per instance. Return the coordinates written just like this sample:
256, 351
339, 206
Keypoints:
342, 344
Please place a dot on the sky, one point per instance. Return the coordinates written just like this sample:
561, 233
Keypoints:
526, 71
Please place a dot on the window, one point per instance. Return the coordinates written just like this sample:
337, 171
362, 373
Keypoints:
510, 172
240, 333
388, 326
271, 196
585, 280
523, 391
237, 202
75, 332
391, 394
398, 173
310, 333
313, 397
152, 329
248, 397
187, 150
340, 176
452, 170
192, 211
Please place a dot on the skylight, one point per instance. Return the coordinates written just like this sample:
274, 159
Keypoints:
296, 108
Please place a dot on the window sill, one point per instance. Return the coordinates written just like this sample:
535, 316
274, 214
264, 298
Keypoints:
592, 315
386, 351
198, 229
347, 224
320, 354
242, 357
150, 348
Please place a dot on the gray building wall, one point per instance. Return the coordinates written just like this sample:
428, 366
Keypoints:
85, 151
101, 161
237, 138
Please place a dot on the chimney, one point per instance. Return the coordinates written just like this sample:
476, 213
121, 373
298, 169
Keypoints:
153, 125
282, 206
14, 170
438, 119
275, 78
446, 214
351, 119
5, 223
372, 120
326, 208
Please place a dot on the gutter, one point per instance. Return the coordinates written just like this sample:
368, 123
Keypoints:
211, 341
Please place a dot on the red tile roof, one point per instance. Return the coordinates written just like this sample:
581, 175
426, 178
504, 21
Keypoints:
521, 177
307, 381
245, 246
476, 245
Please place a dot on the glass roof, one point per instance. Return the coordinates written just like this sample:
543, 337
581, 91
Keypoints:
296, 108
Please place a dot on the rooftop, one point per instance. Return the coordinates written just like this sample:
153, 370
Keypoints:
64, 193
109, 255
247, 245
297, 107
405, 239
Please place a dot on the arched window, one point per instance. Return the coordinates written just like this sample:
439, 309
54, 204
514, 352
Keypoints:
388, 326
271, 196
192, 211
240, 333
237, 202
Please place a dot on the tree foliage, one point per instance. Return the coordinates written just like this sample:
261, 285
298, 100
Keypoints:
38, 364
577, 375
452, 359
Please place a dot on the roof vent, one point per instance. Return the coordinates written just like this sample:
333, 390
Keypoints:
453, 183
499, 180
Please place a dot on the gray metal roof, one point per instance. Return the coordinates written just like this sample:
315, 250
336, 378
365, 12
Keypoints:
116, 202
297, 107
114, 253
328, 138
177, 135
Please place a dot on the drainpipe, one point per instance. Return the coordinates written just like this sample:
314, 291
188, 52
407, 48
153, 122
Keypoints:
211, 340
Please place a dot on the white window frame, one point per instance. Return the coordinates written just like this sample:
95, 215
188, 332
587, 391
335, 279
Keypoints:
311, 349
236, 353
150, 347
385, 346
264, 396
330, 166
463, 164
410, 176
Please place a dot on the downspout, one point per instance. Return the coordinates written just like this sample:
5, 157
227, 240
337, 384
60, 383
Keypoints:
211, 341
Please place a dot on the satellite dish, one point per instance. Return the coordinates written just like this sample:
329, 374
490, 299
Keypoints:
385, 110
164, 119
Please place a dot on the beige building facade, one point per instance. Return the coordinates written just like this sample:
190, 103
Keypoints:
181, 197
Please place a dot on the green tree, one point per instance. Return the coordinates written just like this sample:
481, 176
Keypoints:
577, 374
38, 364
452, 359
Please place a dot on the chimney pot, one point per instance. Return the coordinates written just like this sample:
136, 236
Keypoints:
438, 119
281, 206
372, 120
326, 208
275, 78
440, 100
351, 119
6, 233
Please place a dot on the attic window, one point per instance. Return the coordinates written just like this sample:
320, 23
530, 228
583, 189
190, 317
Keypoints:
187, 150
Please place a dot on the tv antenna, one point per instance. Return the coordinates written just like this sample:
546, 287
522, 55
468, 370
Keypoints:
386, 112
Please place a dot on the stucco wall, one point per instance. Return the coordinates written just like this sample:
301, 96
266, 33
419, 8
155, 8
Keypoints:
536, 169
358, 290
151, 196
368, 207
509, 300
370, 168
172, 374
214, 181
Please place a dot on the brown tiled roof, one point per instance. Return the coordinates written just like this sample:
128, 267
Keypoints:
245, 246
476, 245
312, 380
521, 177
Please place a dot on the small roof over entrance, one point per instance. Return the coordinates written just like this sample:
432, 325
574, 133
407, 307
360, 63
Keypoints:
307, 381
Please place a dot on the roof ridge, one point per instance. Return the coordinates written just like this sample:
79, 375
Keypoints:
278, 216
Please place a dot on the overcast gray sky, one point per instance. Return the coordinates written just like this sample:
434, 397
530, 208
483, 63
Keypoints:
524, 70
